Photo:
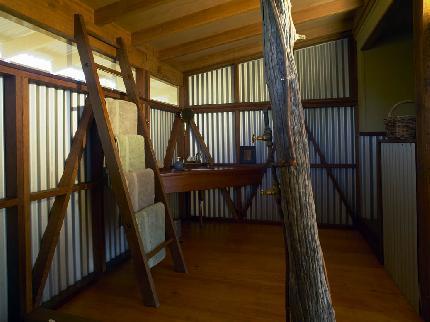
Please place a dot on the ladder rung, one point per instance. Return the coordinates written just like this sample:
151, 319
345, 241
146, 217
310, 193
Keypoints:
109, 70
154, 252
102, 39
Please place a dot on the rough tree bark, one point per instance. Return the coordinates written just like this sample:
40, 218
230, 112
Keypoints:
309, 295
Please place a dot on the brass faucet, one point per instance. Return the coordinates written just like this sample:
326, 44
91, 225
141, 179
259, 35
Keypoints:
256, 138
270, 192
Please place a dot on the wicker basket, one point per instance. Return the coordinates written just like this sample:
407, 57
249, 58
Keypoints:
400, 127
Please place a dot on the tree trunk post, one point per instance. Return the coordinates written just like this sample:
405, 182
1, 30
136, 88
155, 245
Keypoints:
309, 296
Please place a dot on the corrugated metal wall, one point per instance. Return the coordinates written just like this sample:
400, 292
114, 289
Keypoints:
212, 87
161, 128
217, 130
324, 73
368, 174
252, 84
324, 70
262, 208
115, 238
3, 250
54, 117
334, 131
400, 217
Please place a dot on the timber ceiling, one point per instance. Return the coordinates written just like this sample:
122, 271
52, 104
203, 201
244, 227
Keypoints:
193, 34
190, 34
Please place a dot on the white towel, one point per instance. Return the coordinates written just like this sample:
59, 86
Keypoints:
123, 116
151, 224
141, 188
131, 152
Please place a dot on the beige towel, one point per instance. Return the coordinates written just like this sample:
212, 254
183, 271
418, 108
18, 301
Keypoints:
141, 188
131, 152
123, 116
151, 224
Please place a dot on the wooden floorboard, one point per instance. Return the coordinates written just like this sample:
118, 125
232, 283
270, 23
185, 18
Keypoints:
236, 274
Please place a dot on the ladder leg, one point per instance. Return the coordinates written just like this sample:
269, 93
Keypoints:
96, 95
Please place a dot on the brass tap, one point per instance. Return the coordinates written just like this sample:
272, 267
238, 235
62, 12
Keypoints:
256, 138
270, 192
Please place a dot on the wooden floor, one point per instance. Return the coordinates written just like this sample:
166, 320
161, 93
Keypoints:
236, 274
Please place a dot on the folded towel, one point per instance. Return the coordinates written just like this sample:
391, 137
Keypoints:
141, 188
123, 116
151, 224
131, 152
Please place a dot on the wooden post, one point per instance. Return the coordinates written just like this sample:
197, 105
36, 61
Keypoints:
237, 190
236, 113
353, 86
183, 148
422, 76
183, 98
16, 109
143, 89
309, 294
97, 202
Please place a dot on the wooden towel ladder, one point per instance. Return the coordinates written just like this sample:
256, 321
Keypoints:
119, 187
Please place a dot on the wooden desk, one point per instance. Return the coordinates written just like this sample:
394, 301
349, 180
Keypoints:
218, 177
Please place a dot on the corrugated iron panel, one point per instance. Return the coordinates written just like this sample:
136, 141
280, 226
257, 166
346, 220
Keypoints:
116, 241
334, 131
161, 127
368, 174
213, 87
327, 126
252, 84
323, 73
3, 241
217, 130
262, 207
400, 217
324, 70
54, 117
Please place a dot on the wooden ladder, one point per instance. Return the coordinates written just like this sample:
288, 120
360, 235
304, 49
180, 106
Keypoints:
119, 187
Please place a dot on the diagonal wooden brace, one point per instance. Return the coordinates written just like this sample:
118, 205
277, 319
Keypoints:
230, 203
174, 137
58, 211
330, 173
201, 141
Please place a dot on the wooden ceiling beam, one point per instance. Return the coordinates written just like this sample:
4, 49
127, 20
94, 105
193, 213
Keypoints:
222, 58
211, 42
196, 19
326, 10
301, 16
314, 35
109, 13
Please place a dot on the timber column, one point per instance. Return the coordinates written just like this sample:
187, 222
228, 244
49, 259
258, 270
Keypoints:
422, 81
